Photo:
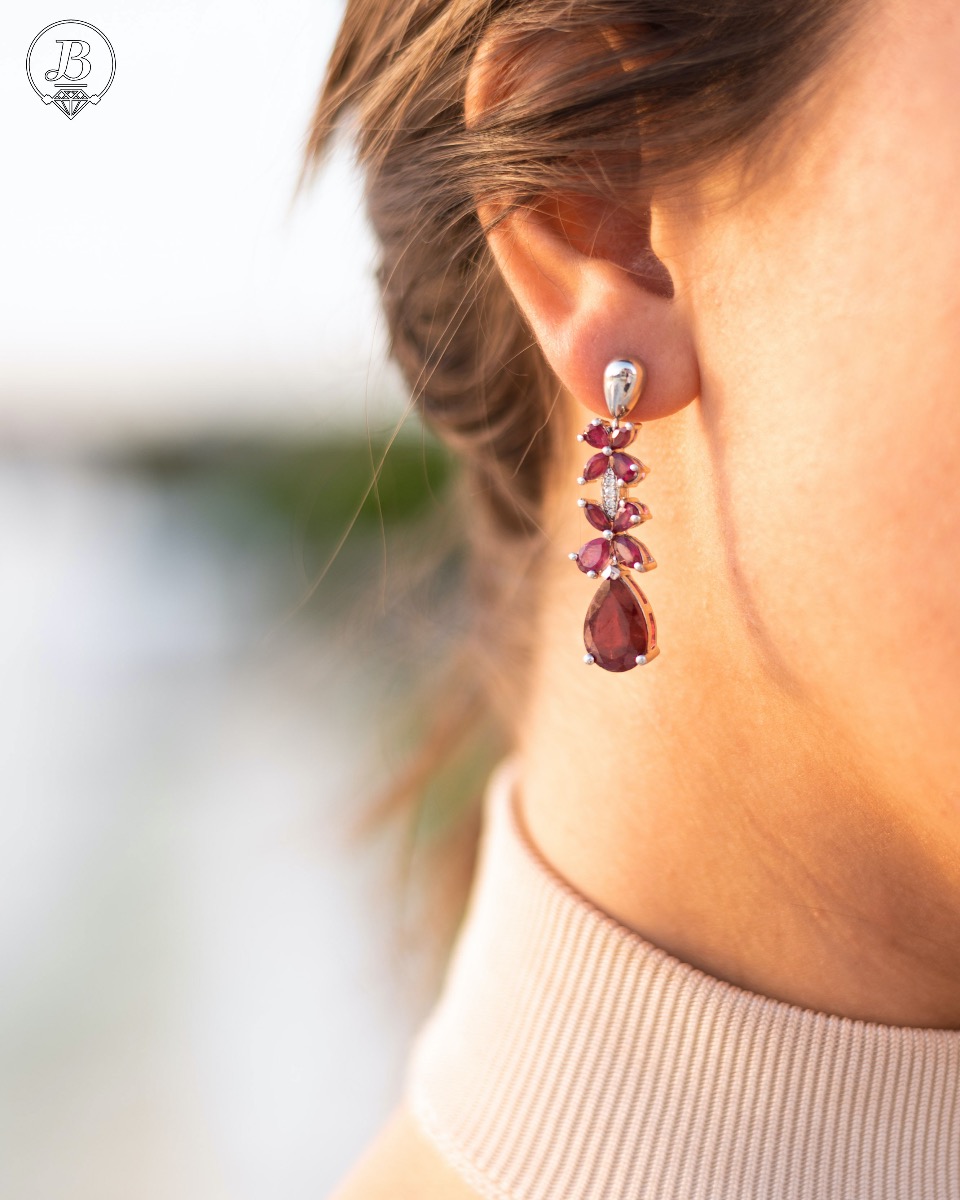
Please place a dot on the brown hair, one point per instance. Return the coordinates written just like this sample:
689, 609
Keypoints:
625, 98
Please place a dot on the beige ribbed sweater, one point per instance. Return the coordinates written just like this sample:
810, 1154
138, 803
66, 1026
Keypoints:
567, 1057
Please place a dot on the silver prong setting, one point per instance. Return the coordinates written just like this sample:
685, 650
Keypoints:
588, 659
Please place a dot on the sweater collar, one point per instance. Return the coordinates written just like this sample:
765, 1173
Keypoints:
567, 1056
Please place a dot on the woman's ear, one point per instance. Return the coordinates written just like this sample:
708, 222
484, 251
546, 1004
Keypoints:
588, 275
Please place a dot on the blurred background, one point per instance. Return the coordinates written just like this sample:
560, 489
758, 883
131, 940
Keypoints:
202, 990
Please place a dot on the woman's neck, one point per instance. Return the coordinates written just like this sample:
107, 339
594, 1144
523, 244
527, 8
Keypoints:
707, 802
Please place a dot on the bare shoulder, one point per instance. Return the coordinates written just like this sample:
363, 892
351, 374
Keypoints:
401, 1162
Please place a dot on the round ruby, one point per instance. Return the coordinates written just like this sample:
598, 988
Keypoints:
615, 627
594, 555
625, 467
630, 552
597, 465
596, 516
622, 437
597, 436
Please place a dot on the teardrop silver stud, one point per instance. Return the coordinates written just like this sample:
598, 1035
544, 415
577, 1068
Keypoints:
623, 380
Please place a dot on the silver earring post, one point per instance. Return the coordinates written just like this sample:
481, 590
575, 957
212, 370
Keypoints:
623, 380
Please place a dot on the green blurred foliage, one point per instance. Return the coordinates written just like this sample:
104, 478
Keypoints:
316, 486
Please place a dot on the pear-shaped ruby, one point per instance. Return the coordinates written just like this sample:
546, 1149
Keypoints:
625, 466
594, 555
615, 627
597, 436
622, 437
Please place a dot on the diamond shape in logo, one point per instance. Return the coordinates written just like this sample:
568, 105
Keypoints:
70, 100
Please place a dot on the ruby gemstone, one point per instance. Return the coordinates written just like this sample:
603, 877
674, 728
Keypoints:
625, 467
615, 627
593, 555
624, 519
596, 516
598, 464
629, 551
622, 437
597, 436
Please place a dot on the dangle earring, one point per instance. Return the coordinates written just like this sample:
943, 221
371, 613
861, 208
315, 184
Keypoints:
619, 630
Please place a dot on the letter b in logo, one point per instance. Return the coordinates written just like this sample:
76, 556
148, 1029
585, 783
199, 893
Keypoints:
72, 50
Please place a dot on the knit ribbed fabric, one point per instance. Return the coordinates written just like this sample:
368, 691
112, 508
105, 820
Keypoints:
567, 1057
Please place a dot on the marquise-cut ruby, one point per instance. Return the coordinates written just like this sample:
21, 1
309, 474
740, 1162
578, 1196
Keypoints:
597, 436
628, 510
629, 551
615, 627
598, 464
622, 437
594, 555
597, 517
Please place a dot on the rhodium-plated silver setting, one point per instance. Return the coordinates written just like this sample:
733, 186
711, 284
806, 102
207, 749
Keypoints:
623, 381
620, 629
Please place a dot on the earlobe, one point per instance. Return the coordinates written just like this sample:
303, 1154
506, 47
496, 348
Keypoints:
592, 289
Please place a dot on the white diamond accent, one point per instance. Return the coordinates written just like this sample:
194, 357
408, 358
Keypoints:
610, 492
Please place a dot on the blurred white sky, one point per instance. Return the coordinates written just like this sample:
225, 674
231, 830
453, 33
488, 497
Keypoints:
154, 277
